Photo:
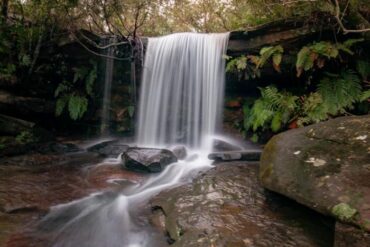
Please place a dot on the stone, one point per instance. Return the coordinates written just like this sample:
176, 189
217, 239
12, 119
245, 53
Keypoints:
346, 235
110, 149
221, 145
147, 159
324, 166
225, 206
250, 155
180, 152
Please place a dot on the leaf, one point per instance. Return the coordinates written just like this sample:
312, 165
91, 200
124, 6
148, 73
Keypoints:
276, 60
363, 68
77, 106
365, 95
276, 122
350, 42
60, 105
80, 73
62, 87
25, 60
254, 138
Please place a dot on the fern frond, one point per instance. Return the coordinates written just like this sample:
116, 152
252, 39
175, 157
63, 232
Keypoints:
77, 106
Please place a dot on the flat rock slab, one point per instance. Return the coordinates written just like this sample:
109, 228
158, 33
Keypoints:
225, 206
147, 159
325, 166
249, 155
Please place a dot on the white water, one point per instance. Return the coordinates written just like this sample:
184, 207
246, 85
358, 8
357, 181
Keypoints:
109, 63
182, 89
181, 96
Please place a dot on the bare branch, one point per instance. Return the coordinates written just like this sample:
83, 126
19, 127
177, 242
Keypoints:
341, 25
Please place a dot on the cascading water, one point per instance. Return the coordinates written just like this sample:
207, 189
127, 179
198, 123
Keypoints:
109, 63
182, 89
180, 100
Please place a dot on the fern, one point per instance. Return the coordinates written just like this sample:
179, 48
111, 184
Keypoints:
60, 105
274, 52
365, 95
363, 68
316, 53
273, 110
340, 92
77, 106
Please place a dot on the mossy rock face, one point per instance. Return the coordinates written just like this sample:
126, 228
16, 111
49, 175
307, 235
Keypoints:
325, 166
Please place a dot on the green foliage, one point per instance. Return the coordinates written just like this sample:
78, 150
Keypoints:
271, 111
335, 95
77, 106
74, 95
317, 53
344, 212
274, 52
340, 92
363, 68
26, 137
250, 65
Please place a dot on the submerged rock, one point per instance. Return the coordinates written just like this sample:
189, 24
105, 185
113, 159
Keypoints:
324, 166
147, 159
225, 206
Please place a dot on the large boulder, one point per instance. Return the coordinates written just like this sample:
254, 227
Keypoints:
325, 166
147, 159
226, 207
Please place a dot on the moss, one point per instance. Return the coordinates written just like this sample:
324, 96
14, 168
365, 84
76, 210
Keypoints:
344, 212
267, 156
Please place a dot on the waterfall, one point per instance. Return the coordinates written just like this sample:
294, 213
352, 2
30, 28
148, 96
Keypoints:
182, 89
109, 64
180, 102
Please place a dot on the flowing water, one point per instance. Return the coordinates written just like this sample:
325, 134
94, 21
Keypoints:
182, 89
109, 63
180, 102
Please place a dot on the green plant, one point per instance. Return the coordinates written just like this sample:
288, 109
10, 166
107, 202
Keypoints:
274, 52
250, 65
26, 137
318, 53
70, 96
273, 110
335, 95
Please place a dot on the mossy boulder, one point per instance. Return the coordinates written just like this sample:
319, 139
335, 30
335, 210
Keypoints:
325, 166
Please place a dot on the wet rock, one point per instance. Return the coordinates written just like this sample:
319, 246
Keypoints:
58, 148
236, 155
180, 152
225, 206
220, 145
324, 166
147, 159
109, 149
346, 235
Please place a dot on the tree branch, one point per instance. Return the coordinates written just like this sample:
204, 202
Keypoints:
341, 25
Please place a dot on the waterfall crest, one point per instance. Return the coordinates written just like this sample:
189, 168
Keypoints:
182, 89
